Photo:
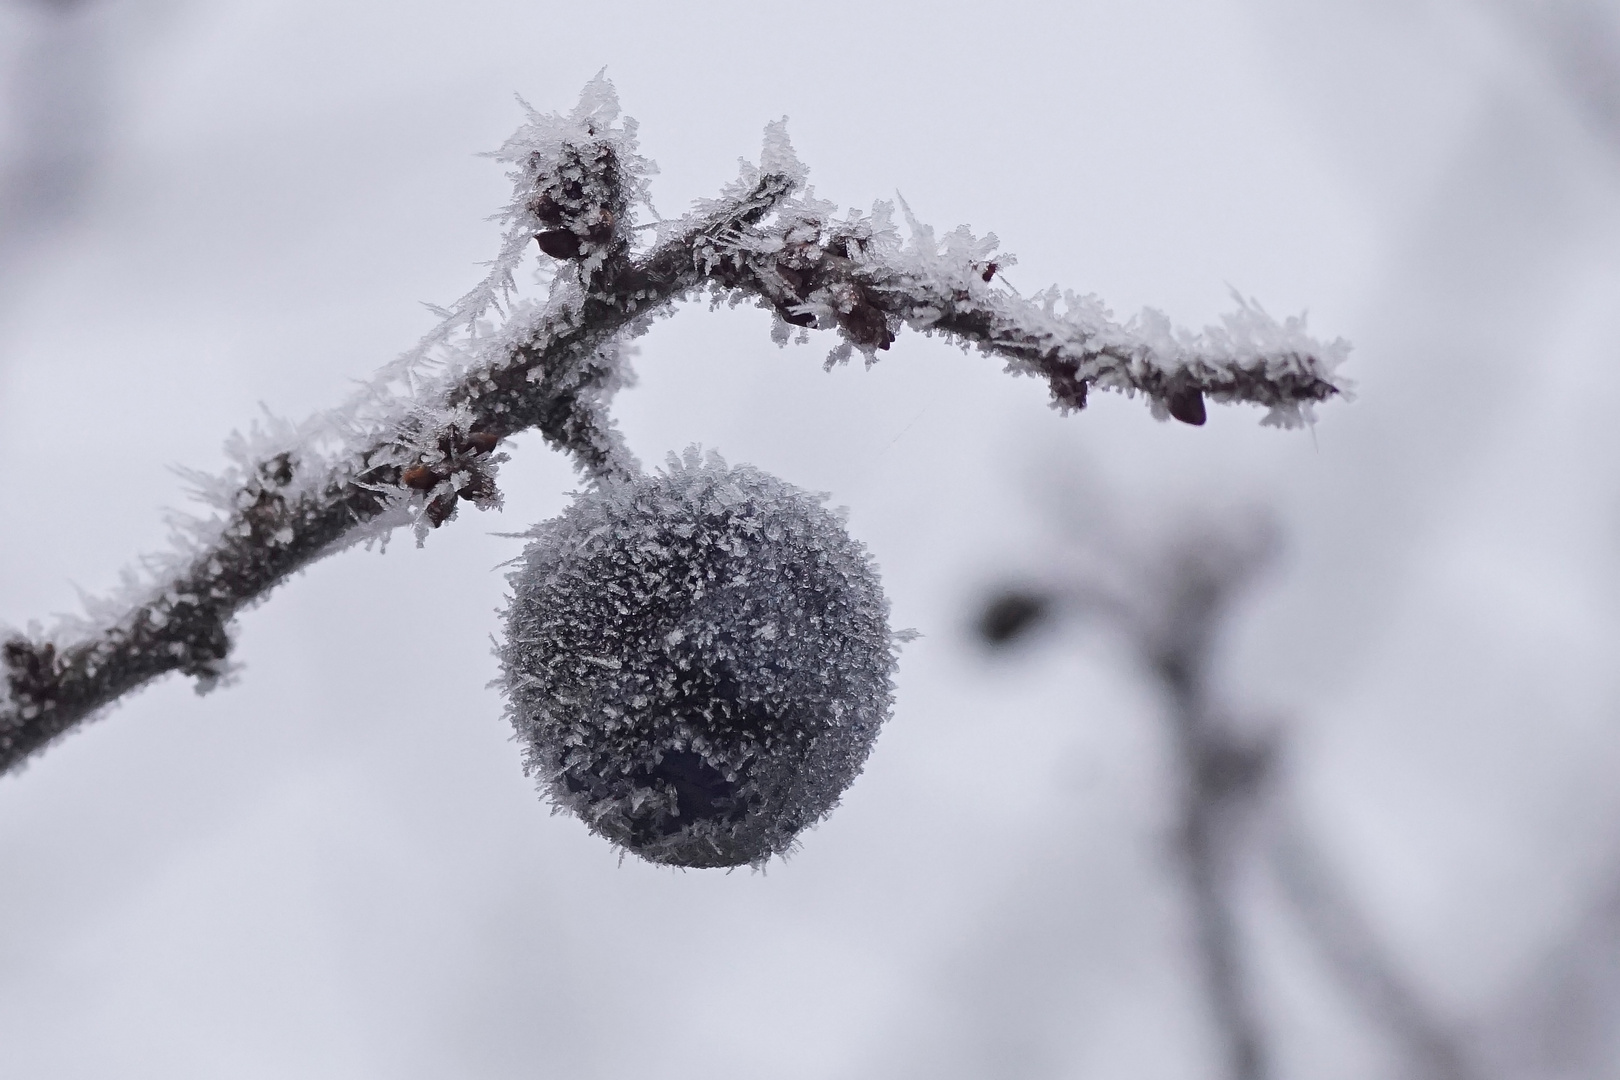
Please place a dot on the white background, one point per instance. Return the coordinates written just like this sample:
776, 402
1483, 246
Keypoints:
335, 868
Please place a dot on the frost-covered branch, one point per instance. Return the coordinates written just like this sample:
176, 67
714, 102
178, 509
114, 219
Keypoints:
422, 438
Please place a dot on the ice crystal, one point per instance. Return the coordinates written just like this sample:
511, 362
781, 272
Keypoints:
697, 661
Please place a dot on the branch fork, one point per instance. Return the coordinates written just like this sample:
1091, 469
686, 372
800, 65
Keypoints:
421, 439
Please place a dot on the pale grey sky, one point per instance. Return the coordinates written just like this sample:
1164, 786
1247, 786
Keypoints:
335, 868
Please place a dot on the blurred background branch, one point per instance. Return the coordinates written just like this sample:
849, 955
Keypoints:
1577, 44
1170, 595
57, 99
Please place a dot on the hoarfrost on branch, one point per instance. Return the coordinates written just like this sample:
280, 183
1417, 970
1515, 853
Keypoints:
422, 437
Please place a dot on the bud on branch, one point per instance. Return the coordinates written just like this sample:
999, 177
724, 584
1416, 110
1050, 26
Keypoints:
422, 438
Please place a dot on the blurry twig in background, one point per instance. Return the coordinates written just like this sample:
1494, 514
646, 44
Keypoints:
57, 100
1221, 773
1578, 42
1353, 952
1564, 1019
1169, 599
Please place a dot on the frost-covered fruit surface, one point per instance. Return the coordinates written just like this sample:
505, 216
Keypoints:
697, 661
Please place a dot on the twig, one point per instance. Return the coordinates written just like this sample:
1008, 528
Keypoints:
422, 439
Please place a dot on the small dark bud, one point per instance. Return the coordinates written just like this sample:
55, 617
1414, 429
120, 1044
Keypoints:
799, 318
559, 243
482, 442
989, 272
440, 509
1010, 615
419, 478
1187, 405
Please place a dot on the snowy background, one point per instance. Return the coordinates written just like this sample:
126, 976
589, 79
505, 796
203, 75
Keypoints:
336, 869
